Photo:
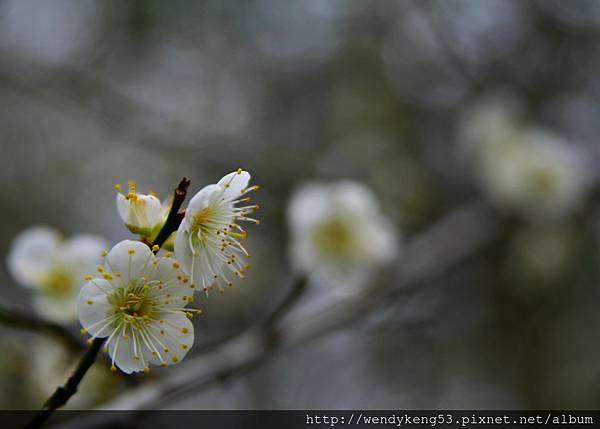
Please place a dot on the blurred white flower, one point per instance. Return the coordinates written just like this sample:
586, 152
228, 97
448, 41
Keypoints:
139, 304
520, 167
143, 214
338, 235
210, 242
40, 259
50, 364
540, 175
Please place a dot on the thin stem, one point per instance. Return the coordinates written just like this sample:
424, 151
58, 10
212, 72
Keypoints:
63, 393
174, 218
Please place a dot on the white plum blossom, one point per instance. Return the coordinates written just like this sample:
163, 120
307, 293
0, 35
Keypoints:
210, 242
54, 268
523, 168
138, 303
540, 175
143, 214
338, 235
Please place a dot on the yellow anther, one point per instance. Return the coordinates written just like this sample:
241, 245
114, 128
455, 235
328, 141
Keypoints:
104, 253
239, 171
155, 248
192, 285
168, 255
99, 269
88, 342
113, 368
146, 370
175, 359
82, 332
107, 276
131, 251
87, 278
184, 346
163, 364
89, 302
175, 265
184, 330
162, 332
166, 350
118, 187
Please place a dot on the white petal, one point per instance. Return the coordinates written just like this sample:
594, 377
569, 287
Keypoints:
32, 255
123, 207
82, 254
130, 265
203, 198
62, 309
93, 307
234, 183
124, 353
176, 335
309, 205
151, 206
183, 252
166, 272
354, 197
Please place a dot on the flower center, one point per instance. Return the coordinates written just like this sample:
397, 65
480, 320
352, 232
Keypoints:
544, 180
133, 300
200, 224
333, 237
58, 282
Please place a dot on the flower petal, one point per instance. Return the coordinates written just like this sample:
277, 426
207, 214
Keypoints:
176, 335
201, 200
172, 282
93, 307
82, 254
32, 255
234, 183
130, 258
183, 253
127, 356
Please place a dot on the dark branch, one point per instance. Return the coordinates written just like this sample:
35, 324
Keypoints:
174, 218
22, 319
62, 393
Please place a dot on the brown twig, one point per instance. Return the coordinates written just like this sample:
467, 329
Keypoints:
174, 218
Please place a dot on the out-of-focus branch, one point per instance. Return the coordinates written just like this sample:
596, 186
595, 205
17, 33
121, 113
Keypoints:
428, 256
63, 393
22, 319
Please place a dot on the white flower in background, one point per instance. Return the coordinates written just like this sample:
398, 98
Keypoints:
490, 123
338, 235
139, 304
143, 214
42, 260
210, 242
520, 167
538, 174
49, 364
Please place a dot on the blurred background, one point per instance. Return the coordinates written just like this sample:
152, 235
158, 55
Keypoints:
385, 93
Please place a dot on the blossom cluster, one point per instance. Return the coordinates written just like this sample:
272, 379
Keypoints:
139, 293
